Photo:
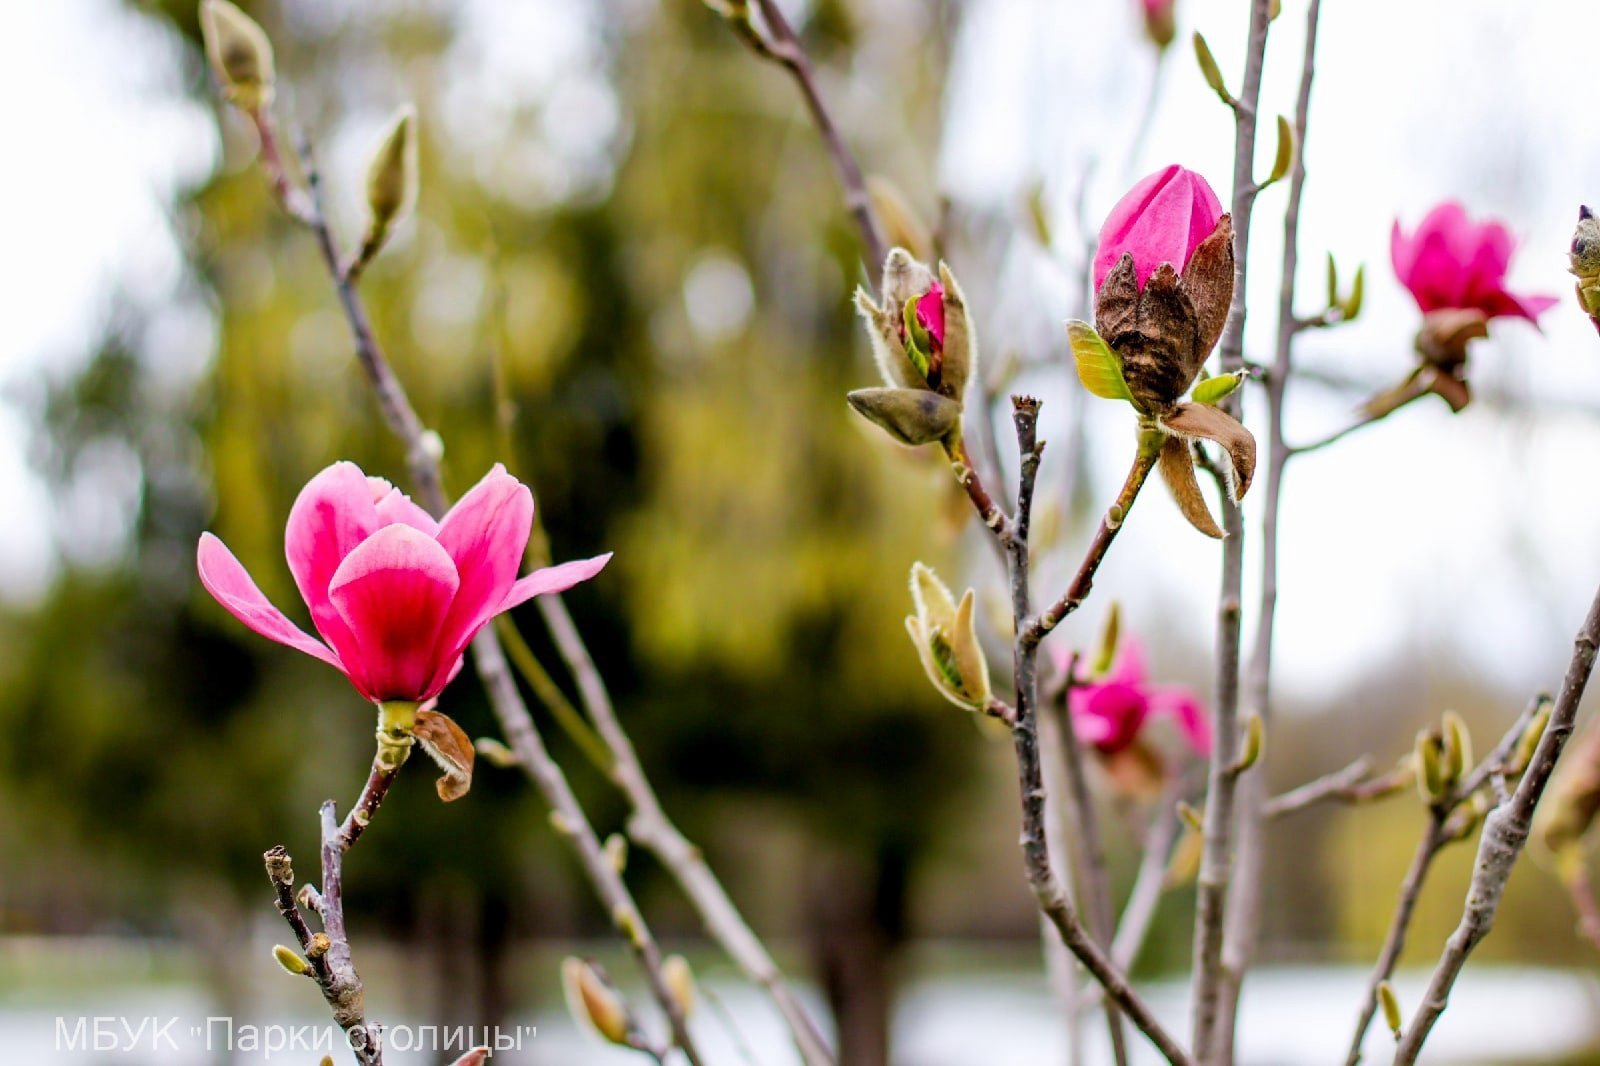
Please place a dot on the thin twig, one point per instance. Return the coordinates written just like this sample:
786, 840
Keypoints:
649, 826
1089, 859
1025, 735
1339, 785
1032, 631
1505, 834
781, 46
422, 456
1216, 863
1437, 836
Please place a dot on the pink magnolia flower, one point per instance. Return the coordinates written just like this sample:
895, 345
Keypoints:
1111, 713
1451, 262
1162, 219
395, 595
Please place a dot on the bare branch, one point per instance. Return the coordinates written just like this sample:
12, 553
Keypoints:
1216, 863
1505, 834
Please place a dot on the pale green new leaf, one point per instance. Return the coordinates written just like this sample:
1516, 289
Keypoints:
1099, 368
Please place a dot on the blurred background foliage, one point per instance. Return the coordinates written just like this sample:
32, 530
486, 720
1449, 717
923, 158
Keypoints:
649, 245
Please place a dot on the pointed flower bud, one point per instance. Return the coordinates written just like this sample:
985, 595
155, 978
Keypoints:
679, 979
1160, 21
946, 637
1391, 1008
594, 1003
1431, 783
391, 181
1585, 263
240, 54
1568, 812
910, 416
290, 961
1457, 748
1163, 286
923, 343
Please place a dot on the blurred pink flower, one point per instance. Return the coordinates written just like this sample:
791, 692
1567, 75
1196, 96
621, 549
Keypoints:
1160, 220
930, 314
1111, 713
1160, 21
1451, 262
395, 595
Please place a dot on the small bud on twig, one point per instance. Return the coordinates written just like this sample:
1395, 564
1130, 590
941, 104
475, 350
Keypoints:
1210, 71
1457, 748
1431, 785
616, 849
1391, 1008
290, 961
593, 1003
679, 979
1251, 745
240, 55
946, 637
391, 184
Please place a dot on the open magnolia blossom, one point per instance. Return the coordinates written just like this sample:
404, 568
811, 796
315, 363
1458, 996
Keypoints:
925, 348
1455, 269
1163, 285
395, 595
1111, 715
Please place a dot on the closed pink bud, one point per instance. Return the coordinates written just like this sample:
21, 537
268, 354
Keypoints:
395, 595
1162, 219
1452, 263
1160, 21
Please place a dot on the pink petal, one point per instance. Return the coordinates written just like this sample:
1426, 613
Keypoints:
485, 534
930, 313
230, 585
1160, 220
1108, 715
333, 513
393, 592
1190, 713
395, 506
1403, 254
553, 579
1129, 668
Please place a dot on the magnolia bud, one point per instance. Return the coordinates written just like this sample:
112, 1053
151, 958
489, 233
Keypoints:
1457, 748
391, 180
1160, 21
616, 850
1431, 785
594, 1003
910, 416
1109, 637
240, 54
290, 961
1391, 1008
1585, 260
946, 637
1253, 743
679, 979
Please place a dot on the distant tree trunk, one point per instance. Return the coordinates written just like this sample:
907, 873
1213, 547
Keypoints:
856, 924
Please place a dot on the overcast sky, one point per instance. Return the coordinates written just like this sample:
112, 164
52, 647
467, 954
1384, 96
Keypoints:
1481, 527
